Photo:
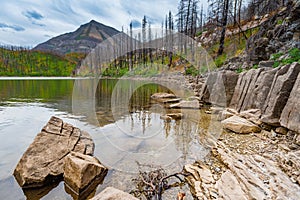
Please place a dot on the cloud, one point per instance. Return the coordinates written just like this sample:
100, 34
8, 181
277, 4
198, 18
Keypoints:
13, 27
33, 15
56, 17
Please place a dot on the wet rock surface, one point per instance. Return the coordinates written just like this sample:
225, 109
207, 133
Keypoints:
43, 161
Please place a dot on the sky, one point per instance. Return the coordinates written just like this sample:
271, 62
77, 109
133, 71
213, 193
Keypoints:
30, 22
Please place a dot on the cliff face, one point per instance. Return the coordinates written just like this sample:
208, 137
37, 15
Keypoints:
275, 92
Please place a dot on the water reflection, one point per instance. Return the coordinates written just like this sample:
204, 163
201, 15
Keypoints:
121, 138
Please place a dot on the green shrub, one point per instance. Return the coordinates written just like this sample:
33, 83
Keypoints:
219, 61
294, 53
276, 64
191, 70
239, 70
276, 56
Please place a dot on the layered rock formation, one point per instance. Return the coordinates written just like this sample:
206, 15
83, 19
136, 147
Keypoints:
290, 116
219, 88
241, 176
273, 92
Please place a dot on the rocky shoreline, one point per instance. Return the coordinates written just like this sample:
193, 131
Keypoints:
258, 156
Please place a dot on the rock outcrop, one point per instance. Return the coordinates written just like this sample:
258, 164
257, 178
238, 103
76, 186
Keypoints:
44, 159
290, 116
252, 89
279, 94
81, 170
219, 88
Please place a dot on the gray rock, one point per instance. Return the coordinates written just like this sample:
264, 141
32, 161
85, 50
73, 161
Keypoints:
290, 116
219, 88
246, 91
278, 96
111, 193
268, 63
43, 160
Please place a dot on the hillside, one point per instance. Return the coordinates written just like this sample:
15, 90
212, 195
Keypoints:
23, 62
85, 38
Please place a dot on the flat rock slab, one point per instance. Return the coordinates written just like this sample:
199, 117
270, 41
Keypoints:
240, 125
163, 96
111, 193
187, 104
43, 160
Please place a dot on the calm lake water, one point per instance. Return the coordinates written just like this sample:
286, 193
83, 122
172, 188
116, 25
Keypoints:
122, 119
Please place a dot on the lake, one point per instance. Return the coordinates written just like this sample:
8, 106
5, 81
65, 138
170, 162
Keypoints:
123, 121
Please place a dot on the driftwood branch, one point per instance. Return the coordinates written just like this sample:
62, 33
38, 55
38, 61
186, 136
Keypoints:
152, 184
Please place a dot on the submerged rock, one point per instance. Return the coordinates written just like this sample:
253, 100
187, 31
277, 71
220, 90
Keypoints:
43, 161
240, 125
111, 193
81, 170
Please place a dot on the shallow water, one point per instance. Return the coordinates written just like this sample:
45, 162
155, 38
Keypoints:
122, 119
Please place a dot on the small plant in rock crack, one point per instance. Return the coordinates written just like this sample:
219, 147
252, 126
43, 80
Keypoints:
152, 184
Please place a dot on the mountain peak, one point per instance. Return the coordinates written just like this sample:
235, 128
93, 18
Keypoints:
83, 40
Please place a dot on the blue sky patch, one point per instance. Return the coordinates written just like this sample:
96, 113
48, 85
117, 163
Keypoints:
33, 15
14, 27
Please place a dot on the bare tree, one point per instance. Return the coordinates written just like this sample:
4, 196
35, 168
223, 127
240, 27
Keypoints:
224, 26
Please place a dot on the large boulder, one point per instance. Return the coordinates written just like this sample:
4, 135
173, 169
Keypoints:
290, 116
43, 160
279, 94
81, 170
219, 88
111, 193
240, 125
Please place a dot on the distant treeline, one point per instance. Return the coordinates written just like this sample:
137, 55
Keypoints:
20, 61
